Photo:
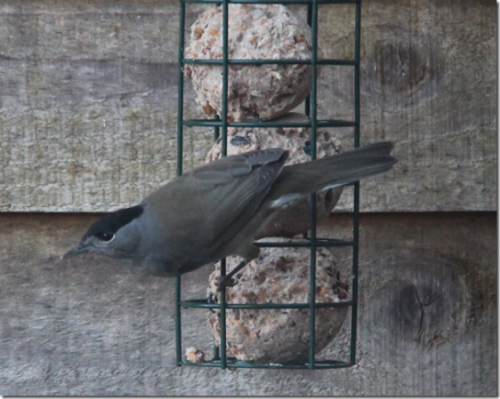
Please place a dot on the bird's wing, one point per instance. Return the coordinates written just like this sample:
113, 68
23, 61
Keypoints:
339, 169
241, 164
218, 199
240, 183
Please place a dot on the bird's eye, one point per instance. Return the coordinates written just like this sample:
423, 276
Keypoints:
106, 237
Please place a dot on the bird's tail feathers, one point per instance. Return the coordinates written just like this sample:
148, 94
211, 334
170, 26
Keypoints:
336, 170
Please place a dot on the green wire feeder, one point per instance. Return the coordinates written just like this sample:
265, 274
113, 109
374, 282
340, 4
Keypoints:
220, 126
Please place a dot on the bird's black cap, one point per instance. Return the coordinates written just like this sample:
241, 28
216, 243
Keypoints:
113, 222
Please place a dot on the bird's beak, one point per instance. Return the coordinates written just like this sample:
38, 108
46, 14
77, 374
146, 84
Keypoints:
79, 249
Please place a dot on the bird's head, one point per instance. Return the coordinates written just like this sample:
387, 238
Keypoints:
113, 235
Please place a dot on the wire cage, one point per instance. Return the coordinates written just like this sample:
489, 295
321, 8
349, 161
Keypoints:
221, 358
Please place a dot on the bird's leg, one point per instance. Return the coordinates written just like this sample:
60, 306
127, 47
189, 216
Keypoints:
247, 253
227, 280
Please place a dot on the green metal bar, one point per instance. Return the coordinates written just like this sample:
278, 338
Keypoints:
225, 67
202, 304
240, 364
223, 306
307, 105
357, 56
322, 243
180, 114
355, 248
284, 2
219, 123
313, 17
266, 61
178, 321
225, 56
220, 128
180, 90
216, 129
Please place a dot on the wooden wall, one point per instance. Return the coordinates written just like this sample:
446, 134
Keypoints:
88, 108
89, 101
95, 326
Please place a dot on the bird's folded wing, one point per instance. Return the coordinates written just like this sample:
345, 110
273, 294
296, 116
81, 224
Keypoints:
239, 185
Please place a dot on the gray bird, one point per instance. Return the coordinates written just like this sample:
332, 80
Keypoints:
218, 209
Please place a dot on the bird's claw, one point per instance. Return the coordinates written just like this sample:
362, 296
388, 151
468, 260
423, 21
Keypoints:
222, 282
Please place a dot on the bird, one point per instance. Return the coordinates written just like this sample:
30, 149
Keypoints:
217, 210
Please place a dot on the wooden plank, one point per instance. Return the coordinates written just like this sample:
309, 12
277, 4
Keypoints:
97, 326
88, 102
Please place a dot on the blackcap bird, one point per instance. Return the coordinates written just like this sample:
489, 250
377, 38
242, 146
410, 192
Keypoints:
218, 209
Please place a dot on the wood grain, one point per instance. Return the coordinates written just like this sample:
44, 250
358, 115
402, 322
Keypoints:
88, 101
95, 326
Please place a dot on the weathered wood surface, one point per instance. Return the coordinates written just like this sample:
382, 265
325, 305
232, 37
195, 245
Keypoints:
88, 93
93, 326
